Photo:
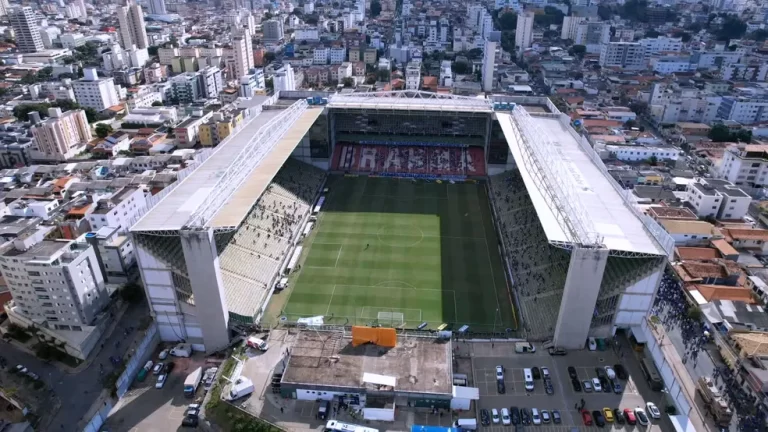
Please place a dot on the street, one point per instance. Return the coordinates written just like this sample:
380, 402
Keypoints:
77, 391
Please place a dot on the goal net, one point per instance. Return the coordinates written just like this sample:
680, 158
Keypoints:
391, 319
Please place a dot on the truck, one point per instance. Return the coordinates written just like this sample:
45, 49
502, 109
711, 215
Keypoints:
192, 382
240, 388
182, 350
144, 371
714, 401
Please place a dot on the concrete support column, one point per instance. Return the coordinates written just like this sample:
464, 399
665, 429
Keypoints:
582, 286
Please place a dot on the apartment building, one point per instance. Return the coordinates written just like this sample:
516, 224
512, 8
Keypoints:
242, 47
284, 79
120, 210
211, 82
489, 66
524, 32
62, 135
220, 126
132, 29
670, 65
412, 76
745, 110
593, 35
186, 87
744, 72
714, 59
94, 92
320, 55
745, 165
26, 30
337, 55
143, 97
571, 27
114, 252
624, 55
717, 198
273, 30
167, 55
661, 44
252, 83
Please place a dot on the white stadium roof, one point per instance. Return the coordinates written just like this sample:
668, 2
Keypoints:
410, 100
619, 227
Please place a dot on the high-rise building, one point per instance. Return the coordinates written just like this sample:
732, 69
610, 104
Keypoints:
412, 76
252, 82
211, 82
94, 92
132, 28
593, 35
524, 32
4, 8
273, 30
157, 7
489, 65
27, 32
570, 26
58, 282
59, 136
284, 79
625, 55
81, 7
242, 47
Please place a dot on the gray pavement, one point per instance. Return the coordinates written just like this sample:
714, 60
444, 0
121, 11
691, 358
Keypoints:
78, 391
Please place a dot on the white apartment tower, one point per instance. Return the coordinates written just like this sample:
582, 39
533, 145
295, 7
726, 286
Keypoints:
412, 76
59, 136
625, 55
157, 7
489, 65
58, 283
273, 30
284, 79
94, 92
242, 48
27, 32
524, 32
570, 26
4, 8
132, 28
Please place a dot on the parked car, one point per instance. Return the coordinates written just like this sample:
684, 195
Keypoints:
576, 385
596, 385
525, 416
536, 372
323, 410
629, 415
495, 415
621, 372
505, 420
168, 368
548, 387
161, 381
545, 372
608, 414
641, 417
586, 417
545, 416
157, 369
599, 419
191, 416
653, 410
500, 373
557, 351
556, 419
600, 372
572, 372
485, 417
20, 369
535, 416
587, 384
606, 384
163, 354
500, 387
514, 414
618, 416
610, 372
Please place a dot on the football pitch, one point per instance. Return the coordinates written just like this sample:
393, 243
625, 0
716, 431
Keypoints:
398, 252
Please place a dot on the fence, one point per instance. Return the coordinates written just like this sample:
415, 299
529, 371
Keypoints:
147, 345
99, 418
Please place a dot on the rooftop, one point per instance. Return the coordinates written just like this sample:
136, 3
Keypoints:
43, 250
419, 365
687, 226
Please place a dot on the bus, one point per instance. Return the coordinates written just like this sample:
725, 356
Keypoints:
337, 426
651, 375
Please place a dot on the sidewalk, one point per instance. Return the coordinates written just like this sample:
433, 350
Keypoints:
94, 354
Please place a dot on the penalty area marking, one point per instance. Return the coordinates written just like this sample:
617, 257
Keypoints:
385, 284
378, 235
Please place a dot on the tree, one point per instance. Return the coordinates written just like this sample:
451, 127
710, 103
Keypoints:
348, 82
694, 313
639, 107
269, 83
461, 68
759, 35
475, 54
508, 21
269, 57
157, 103
652, 34
152, 50
578, 50
684, 36
604, 12
371, 79
375, 8
719, 133
103, 130
653, 160
732, 28
383, 75
629, 124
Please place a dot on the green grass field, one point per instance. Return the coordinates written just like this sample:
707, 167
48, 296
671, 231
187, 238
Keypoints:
424, 252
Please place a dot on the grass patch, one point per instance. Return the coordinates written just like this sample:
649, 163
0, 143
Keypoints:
398, 252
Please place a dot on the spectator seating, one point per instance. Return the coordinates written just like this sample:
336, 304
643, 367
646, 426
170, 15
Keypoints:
440, 161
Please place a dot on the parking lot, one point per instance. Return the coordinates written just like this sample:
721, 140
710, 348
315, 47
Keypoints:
565, 399
147, 409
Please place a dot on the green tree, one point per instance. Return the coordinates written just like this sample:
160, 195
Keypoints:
475, 54
694, 313
578, 50
652, 34
348, 82
461, 68
629, 124
371, 79
653, 160
383, 75
269, 57
508, 21
152, 50
21, 112
732, 28
157, 103
605, 12
103, 130
375, 8
270, 83
719, 133
684, 36
759, 35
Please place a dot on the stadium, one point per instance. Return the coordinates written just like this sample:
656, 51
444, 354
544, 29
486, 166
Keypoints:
414, 210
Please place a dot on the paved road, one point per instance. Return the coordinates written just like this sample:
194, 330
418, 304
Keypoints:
77, 392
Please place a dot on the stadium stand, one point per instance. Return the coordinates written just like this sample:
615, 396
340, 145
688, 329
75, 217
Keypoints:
251, 257
539, 270
398, 159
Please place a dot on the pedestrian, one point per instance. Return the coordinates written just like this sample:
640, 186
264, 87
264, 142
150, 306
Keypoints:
281, 410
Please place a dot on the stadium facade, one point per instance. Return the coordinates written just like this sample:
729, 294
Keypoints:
581, 259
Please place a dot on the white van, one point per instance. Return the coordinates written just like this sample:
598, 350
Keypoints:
282, 284
528, 376
466, 424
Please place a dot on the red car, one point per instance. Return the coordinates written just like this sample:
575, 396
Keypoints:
586, 417
630, 416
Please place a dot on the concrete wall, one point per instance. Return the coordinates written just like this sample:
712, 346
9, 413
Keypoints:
142, 354
674, 389
161, 294
205, 278
637, 300
582, 286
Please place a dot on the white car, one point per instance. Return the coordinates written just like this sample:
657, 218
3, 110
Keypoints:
495, 415
163, 354
545, 372
610, 372
596, 385
592, 343
640, 416
535, 416
21, 369
161, 381
653, 410
500, 373
157, 369
545, 417
505, 420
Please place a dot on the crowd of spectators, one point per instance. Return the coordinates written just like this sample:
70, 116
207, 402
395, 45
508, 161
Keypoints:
437, 161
